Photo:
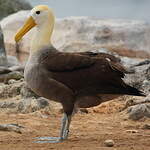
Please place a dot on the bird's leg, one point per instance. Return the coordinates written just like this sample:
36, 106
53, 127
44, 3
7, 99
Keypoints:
63, 125
63, 133
66, 130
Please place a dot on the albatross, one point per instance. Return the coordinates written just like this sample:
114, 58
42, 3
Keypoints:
82, 80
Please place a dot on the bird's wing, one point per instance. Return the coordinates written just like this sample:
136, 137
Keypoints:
114, 62
100, 55
60, 61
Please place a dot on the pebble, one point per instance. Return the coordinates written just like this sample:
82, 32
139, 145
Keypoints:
109, 143
131, 131
12, 81
11, 127
146, 126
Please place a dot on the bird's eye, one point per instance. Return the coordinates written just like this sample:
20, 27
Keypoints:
38, 12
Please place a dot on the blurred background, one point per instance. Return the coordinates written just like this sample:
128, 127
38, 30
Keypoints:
127, 9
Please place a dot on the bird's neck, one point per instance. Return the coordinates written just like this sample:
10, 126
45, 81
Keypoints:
42, 37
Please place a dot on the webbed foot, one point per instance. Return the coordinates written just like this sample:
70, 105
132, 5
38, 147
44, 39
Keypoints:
48, 140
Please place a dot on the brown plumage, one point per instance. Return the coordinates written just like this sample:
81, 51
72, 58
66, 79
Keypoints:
82, 79
69, 77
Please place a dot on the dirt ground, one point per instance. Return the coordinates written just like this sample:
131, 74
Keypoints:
87, 132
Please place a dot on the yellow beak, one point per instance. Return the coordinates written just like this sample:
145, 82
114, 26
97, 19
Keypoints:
29, 24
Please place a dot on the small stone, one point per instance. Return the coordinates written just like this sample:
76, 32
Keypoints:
4, 70
26, 92
10, 90
17, 68
12, 75
83, 110
11, 127
8, 104
131, 131
146, 126
42, 102
12, 81
109, 143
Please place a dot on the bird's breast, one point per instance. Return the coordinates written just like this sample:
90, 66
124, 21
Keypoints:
34, 76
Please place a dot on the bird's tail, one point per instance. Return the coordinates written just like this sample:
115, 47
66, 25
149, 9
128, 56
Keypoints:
133, 91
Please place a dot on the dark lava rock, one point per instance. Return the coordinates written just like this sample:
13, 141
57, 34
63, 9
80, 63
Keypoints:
3, 58
8, 7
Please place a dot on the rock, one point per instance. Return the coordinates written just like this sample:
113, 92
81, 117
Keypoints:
11, 127
82, 34
42, 102
141, 77
17, 68
3, 58
136, 108
132, 53
109, 143
93, 31
4, 70
11, 90
8, 104
26, 92
139, 111
131, 131
83, 111
12, 61
32, 104
9, 31
12, 75
128, 62
131, 101
12, 81
10, 69
146, 126
27, 103
8, 7
146, 62
30, 101
147, 99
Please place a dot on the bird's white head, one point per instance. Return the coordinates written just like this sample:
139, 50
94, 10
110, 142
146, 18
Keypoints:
41, 14
43, 19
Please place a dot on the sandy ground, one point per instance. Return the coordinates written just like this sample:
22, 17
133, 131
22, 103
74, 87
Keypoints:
87, 132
